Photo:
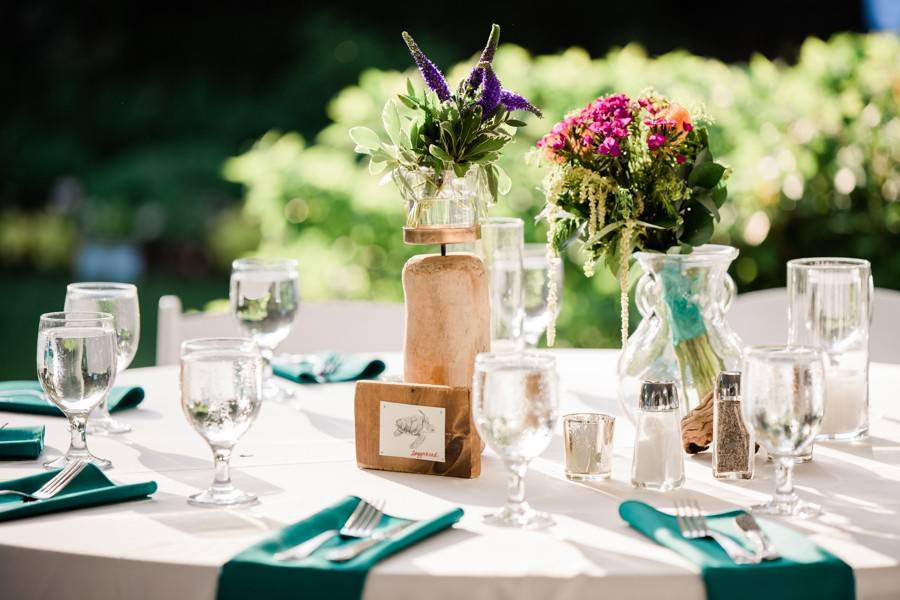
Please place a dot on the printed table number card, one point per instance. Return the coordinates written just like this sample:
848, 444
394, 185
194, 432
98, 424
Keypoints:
412, 431
416, 428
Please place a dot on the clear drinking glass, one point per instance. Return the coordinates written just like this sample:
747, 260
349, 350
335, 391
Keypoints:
121, 301
535, 277
76, 365
783, 403
588, 438
501, 248
265, 296
830, 308
514, 403
221, 392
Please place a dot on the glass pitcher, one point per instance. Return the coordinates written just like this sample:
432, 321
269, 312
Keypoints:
683, 335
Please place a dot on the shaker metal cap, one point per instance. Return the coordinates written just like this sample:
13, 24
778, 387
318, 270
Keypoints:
728, 384
659, 395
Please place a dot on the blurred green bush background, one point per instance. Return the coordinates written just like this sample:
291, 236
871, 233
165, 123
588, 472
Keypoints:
814, 147
99, 150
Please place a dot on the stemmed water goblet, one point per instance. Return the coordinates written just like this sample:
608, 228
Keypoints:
76, 365
221, 393
783, 403
121, 301
515, 403
264, 298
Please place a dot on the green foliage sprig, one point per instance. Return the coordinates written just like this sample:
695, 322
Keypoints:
439, 131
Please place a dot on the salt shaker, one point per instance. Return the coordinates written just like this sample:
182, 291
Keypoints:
658, 461
733, 444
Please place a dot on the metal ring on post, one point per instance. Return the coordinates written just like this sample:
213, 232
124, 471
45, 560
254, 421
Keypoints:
441, 235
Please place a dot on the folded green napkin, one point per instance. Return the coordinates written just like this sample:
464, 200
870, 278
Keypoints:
90, 488
254, 573
804, 570
350, 367
21, 443
120, 398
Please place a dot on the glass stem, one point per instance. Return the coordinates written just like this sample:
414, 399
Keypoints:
78, 433
267, 355
222, 458
784, 481
515, 491
101, 411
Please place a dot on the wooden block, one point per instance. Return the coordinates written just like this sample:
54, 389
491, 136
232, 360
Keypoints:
448, 318
462, 444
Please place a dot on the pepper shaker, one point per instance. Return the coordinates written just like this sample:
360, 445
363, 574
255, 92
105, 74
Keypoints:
658, 461
733, 444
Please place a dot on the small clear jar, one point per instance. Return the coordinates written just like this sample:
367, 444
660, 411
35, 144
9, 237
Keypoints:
658, 461
733, 446
443, 200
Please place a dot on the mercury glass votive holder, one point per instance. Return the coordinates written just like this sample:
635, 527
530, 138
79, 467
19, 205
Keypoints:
588, 438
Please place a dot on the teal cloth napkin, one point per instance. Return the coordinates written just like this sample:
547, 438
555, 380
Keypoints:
120, 398
21, 443
90, 488
804, 572
255, 574
350, 367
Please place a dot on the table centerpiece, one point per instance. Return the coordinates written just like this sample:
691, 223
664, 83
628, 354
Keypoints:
441, 151
635, 178
442, 145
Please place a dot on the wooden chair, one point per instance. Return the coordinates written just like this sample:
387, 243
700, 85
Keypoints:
339, 326
761, 318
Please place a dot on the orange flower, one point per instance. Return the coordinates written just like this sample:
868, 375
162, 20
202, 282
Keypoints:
682, 118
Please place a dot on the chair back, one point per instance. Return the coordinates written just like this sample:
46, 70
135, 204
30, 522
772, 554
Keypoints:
341, 326
761, 318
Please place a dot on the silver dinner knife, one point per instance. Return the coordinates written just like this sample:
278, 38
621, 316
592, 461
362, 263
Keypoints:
762, 545
351, 551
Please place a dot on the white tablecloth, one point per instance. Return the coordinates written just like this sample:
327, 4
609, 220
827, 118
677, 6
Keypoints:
301, 458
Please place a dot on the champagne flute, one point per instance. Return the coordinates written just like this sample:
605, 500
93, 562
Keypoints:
121, 301
536, 270
221, 392
76, 365
264, 298
515, 402
783, 403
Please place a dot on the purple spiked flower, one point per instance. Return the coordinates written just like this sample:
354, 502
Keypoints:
513, 101
490, 91
487, 55
433, 77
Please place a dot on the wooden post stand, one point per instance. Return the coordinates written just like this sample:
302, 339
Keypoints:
447, 324
448, 318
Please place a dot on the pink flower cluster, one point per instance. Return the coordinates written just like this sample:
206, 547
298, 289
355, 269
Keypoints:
597, 128
600, 127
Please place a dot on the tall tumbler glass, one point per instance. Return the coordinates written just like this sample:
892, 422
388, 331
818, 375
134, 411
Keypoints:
121, 301
515, 399
783, 402
221, 390
76, 365
501, 248
265, 296
536, 270
830, 308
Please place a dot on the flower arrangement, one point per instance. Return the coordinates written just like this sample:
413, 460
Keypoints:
632, 174
440, 133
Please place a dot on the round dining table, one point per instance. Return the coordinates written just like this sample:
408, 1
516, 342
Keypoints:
299, 457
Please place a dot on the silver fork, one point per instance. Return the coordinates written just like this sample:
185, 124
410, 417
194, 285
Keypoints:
54, 485
327, 368
360, 524
693, 526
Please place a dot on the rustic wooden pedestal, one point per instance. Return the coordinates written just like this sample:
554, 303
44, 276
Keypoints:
447, 324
